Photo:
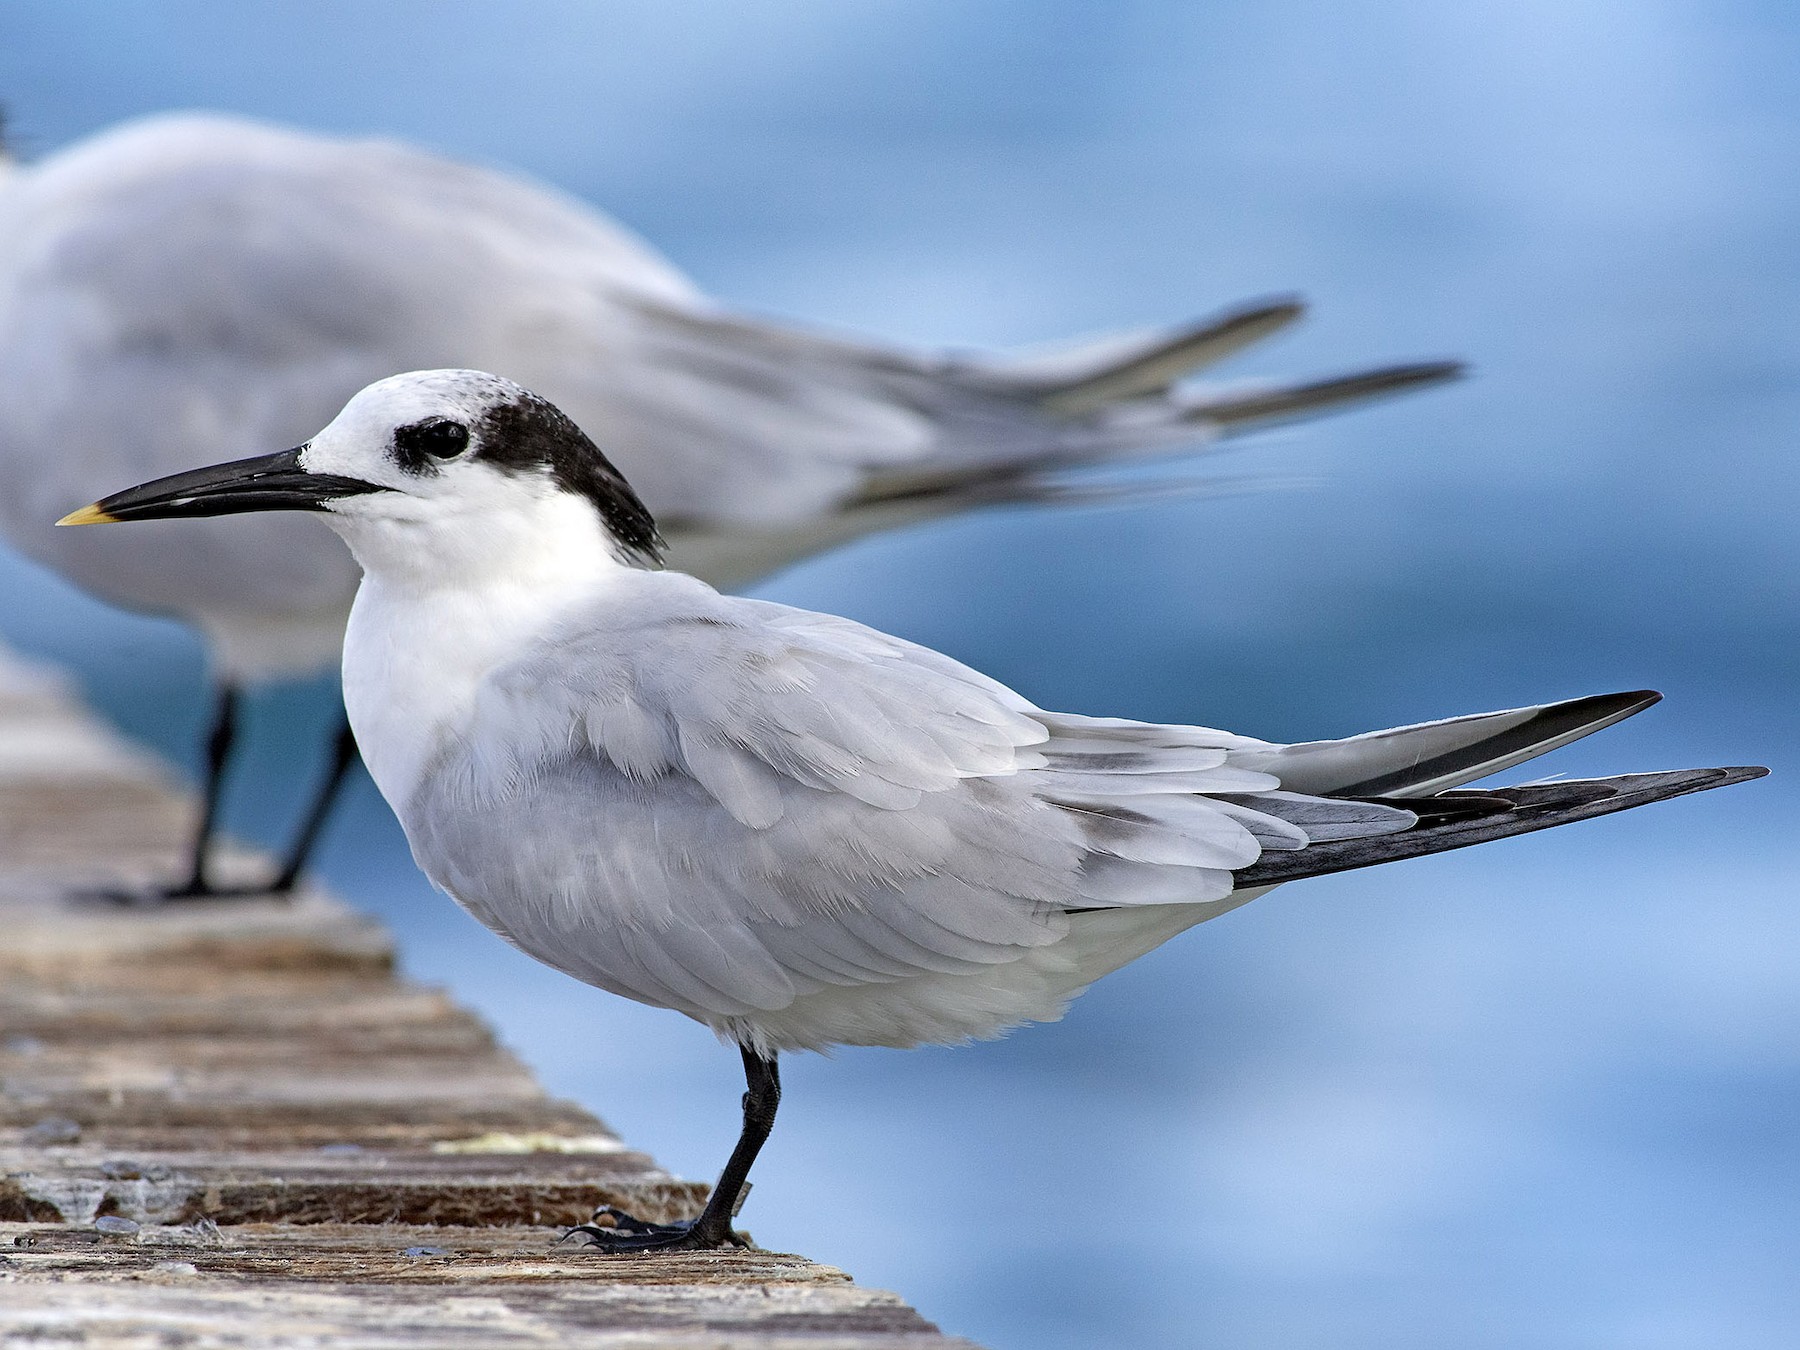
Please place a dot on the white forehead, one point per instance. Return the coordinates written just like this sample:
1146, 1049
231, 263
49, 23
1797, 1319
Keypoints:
370, 417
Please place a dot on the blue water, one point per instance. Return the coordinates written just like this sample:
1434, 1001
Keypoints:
1540, 1094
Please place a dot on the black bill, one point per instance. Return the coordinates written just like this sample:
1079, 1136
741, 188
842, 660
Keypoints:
265, 483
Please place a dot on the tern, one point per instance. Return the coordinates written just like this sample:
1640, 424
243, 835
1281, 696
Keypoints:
794, 829
179, 288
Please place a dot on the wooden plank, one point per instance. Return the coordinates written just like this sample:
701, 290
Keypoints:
233, 1124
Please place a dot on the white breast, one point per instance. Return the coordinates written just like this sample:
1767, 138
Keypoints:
412, 666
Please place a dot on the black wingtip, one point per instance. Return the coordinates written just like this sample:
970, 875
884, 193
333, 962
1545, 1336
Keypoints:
1167, 360
1549, 727
1301, 400
1741, 773
1416, 373
1627, 704
1270, 308
1255, 318
1527, 808
1640, 789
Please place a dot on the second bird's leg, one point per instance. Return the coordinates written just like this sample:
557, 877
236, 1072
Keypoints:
713, 1228
219, 742
218, 751
343, 755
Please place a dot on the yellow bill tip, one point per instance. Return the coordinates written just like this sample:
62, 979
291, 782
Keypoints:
88, 515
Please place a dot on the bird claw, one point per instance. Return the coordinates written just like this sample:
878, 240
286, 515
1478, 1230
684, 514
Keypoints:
628, 1233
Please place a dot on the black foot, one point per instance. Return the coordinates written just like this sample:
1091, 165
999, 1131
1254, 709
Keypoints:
157, 897
627, 1233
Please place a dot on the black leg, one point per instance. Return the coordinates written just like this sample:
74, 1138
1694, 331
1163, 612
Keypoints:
198, 885
218, 751
343, 755
713, 1227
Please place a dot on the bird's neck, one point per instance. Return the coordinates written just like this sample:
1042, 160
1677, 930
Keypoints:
430, 624
531, 542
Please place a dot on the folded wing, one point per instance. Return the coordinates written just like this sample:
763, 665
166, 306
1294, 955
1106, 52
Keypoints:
836, 805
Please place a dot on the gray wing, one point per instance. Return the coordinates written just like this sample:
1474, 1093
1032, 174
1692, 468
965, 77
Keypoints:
742, 803
856, 437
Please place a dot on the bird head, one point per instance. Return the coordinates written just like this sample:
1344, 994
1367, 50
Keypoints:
435, 471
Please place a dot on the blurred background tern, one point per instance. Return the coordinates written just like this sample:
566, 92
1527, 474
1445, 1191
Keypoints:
797, 830
187, 287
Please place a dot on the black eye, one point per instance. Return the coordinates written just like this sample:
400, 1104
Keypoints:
439, 438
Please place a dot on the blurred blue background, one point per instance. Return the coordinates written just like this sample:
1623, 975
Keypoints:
1540, 1094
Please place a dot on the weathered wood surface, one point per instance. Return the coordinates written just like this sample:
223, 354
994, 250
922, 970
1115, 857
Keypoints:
233, 1125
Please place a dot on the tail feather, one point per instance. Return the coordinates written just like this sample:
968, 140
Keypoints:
1515, 810
1431, 756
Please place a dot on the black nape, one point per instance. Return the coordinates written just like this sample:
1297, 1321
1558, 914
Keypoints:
529, 433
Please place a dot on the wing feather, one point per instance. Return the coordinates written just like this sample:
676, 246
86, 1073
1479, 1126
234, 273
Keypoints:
793, 802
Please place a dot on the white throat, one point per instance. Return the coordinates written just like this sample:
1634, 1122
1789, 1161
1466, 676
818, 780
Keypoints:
447, 598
